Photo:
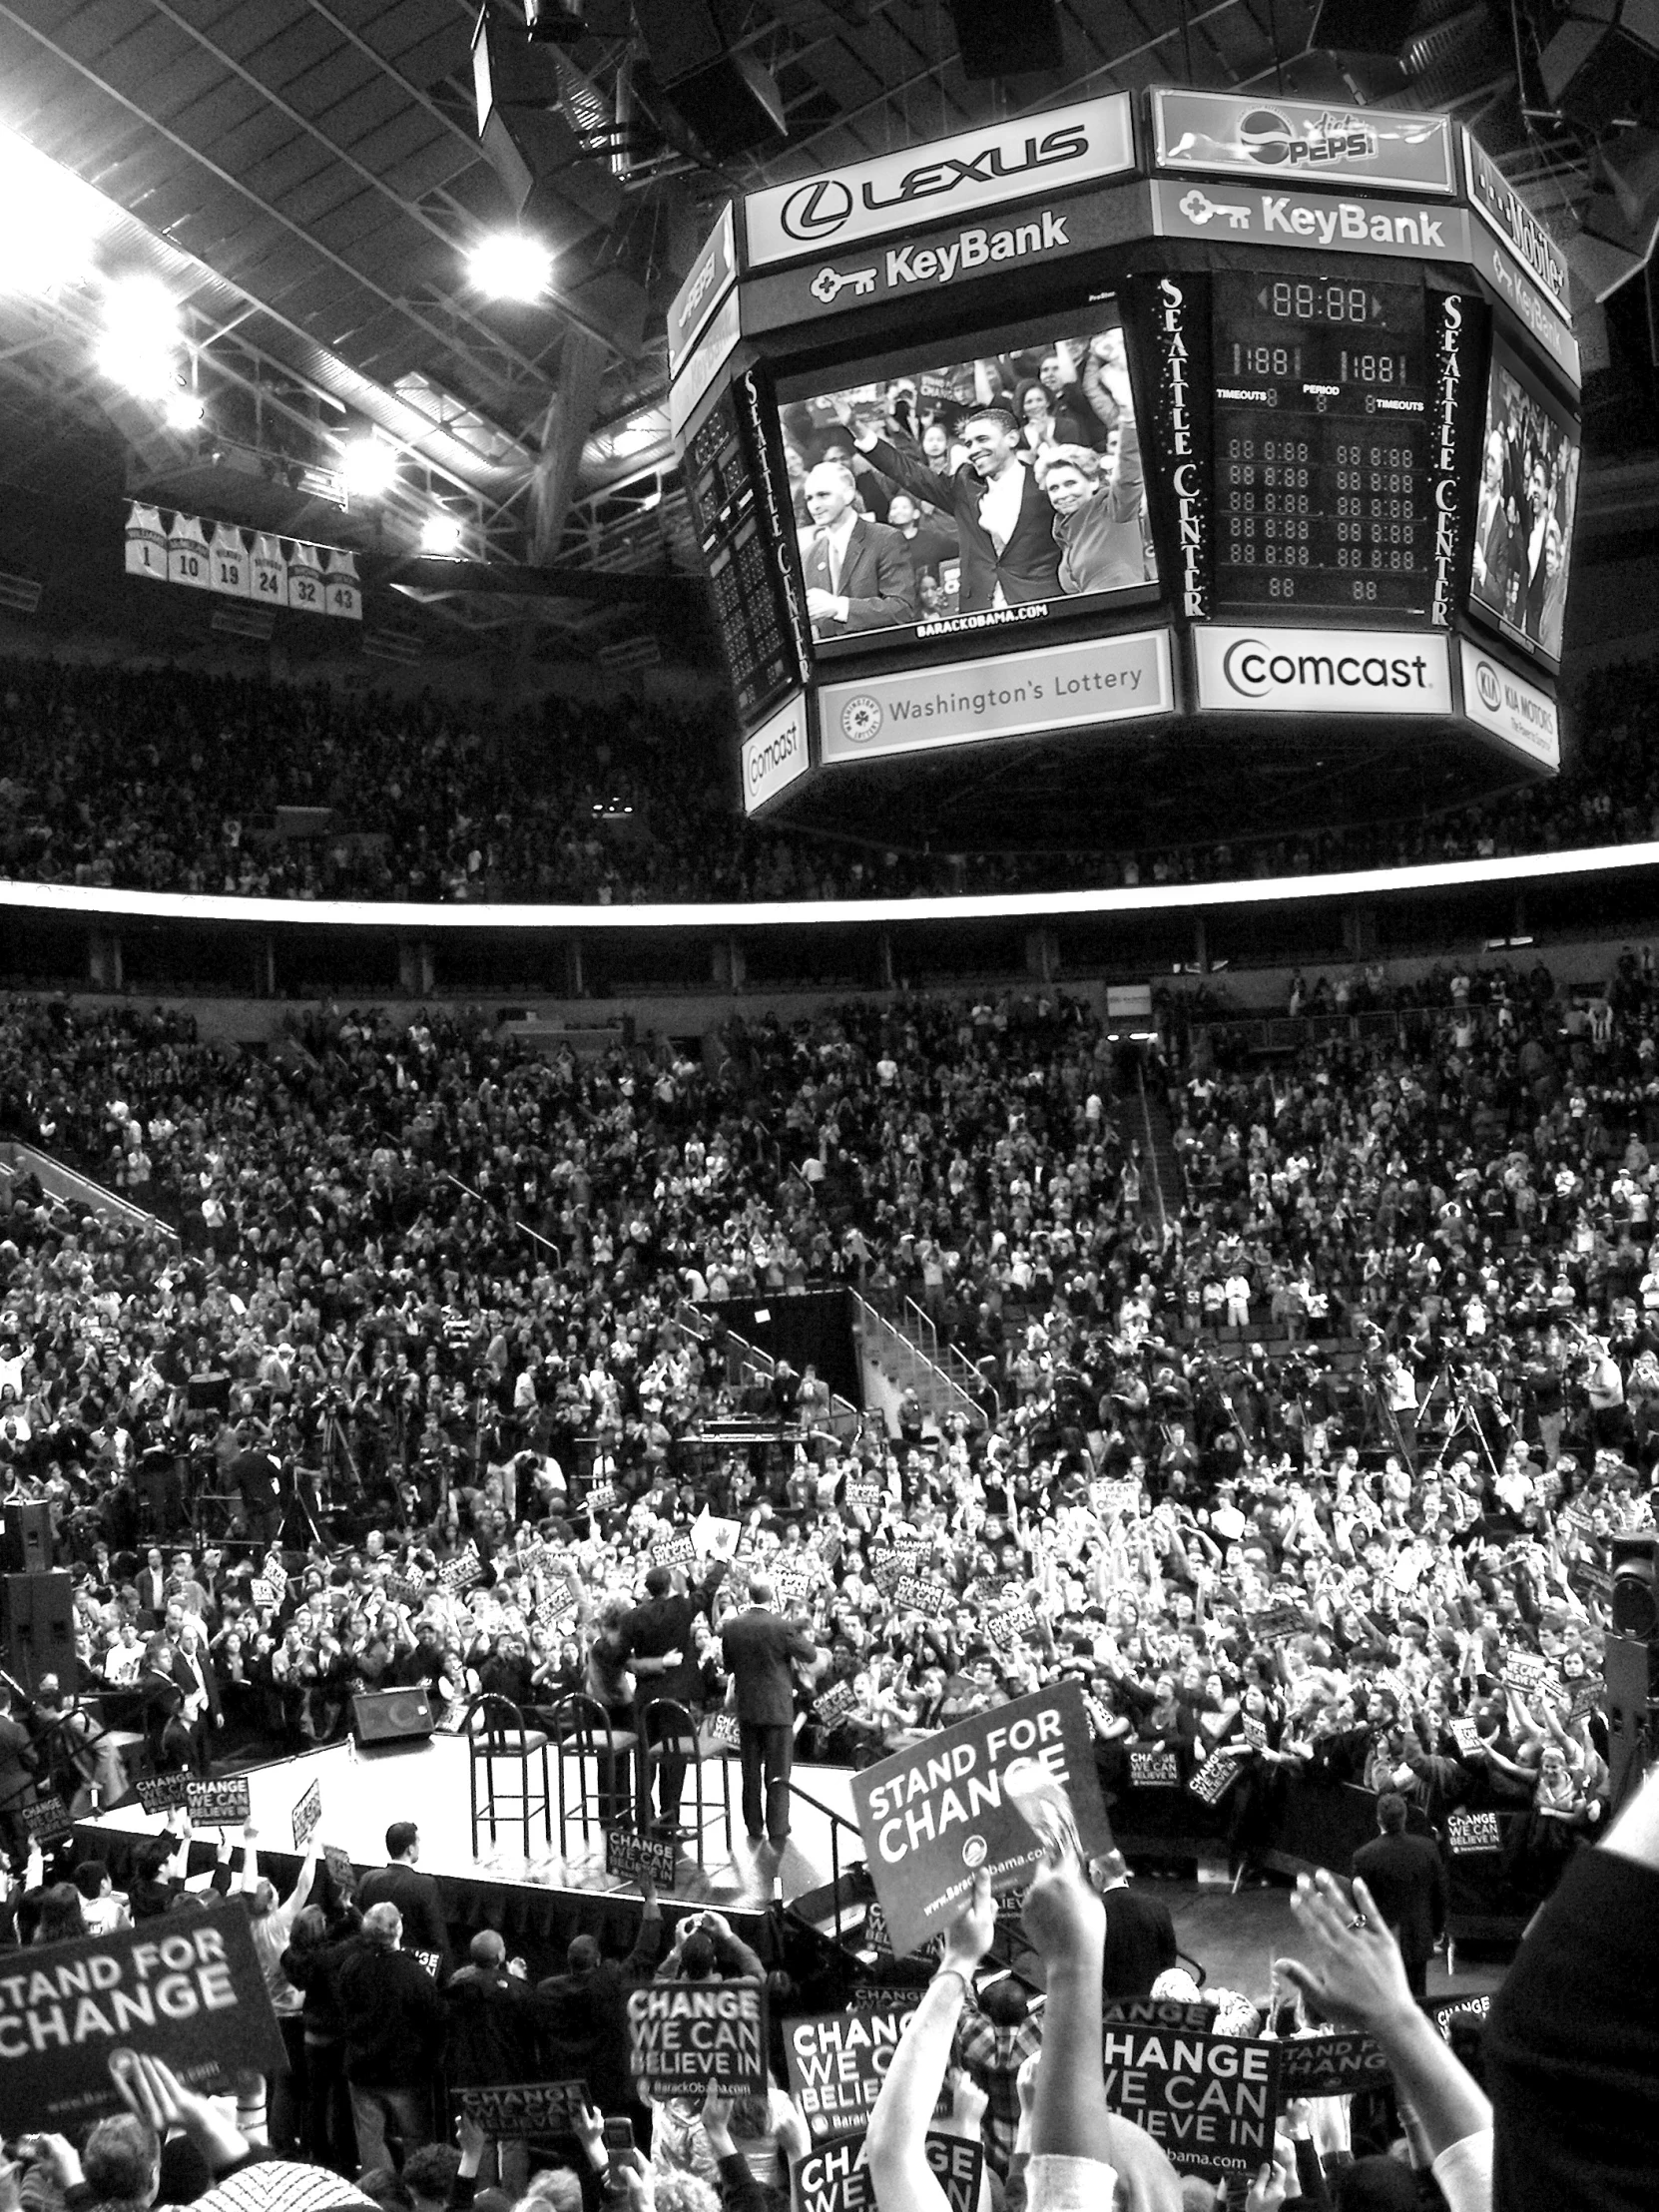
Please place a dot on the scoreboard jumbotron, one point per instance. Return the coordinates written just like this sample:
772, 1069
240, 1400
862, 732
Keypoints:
1175, 463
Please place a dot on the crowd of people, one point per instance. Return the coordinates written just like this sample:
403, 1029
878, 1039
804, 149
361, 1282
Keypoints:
169, 780
1302, 1452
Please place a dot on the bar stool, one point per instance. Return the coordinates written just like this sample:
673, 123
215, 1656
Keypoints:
581, 1724
496, 1737
668, 1728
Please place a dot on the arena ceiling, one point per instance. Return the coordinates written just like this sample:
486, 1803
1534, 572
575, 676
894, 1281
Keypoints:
305, 178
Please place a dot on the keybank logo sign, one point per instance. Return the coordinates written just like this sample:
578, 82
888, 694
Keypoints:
957, 176
1334, 672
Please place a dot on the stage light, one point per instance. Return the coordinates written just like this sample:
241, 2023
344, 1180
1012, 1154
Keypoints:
510, 264
185, 409
146, 371
369, 468
140, 312
442, 535
50, 242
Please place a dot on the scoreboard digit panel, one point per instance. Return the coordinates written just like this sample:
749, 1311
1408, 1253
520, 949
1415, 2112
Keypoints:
721, 482
1323, 489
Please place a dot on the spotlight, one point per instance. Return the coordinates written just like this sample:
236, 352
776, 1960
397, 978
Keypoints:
441, 534
511, 266
53, 246
141, 312
146, 371
185, 408
369, 468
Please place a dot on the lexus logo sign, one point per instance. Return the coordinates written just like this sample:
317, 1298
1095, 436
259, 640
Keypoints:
817, 210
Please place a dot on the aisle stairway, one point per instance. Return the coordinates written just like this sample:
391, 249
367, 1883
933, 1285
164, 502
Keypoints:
899, 1350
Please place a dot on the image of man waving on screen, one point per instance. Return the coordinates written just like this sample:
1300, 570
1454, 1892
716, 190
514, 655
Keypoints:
1009, 557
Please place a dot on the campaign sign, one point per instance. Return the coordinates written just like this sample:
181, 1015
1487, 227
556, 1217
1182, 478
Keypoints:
793, 1584
628, 1853
461, 1572
306, 1816
47, 1821
163, 1793
269, 1594
835, 1704
920, 1594
1216, 1777
189, 1991
1330, 2065
867, 1497
512, 2112
1207, 2100
687, 2037
673, 1549
338, 1863
723, 1732
932, 1817
1153, 1770
1588, 1697
1526, 1671
878, 1938
219, 1803
1195, 2016
1450, 2011
837, 2062
837, 2178
1469, 1832
1466, 1735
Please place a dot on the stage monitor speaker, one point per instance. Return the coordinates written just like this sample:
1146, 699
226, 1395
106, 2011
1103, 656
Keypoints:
1602, 68
996, 40
392, 1716
727, 100
1634, 1602
37, 1628
26, 1539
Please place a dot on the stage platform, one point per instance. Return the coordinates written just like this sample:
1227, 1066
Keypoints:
552, 1892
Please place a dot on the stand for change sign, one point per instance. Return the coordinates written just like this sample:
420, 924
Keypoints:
189, 1991
1207, 2100
687, 2037
933, 1815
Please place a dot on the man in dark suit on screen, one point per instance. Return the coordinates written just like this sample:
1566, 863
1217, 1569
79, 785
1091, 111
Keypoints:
859, 572
1407, 1879
1009, 557
758, 1646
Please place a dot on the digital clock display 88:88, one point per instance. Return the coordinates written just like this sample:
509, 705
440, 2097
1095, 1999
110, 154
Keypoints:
1322, 491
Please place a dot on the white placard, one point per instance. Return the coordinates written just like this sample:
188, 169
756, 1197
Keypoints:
1521, 713
1328, 672
992, 165
1013, 695
776, 755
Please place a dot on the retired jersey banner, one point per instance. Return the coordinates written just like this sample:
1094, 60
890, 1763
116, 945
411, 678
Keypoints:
837, 2062
687, 2037
1208, 2101
932, 1817
186, 1989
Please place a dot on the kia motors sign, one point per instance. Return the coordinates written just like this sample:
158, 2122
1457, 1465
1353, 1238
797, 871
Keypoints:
1325, 672
1061, 687
1521, 713
983, 168
776, 755
1232, 134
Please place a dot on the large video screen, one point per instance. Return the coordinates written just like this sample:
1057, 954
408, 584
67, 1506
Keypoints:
1001, 490
1525, 506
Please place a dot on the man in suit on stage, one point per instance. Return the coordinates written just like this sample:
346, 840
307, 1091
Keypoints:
1407, 1879
1140, 1935
1006, 526
859, 572
661, 1651
416, 1896
758, 1646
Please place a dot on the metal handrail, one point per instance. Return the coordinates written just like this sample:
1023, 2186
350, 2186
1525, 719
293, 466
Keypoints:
838, 1821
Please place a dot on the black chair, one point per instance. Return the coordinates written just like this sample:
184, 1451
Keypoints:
668, 1726
583, 1726
496, 1737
